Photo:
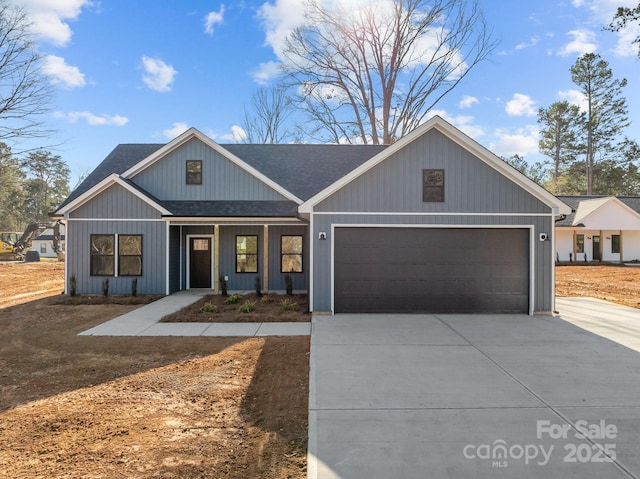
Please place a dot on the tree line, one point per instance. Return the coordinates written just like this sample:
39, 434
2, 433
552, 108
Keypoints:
586, 149
30, 187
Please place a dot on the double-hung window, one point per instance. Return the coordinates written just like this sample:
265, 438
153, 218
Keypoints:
615, 243
194, 172
246, 254
103, 251
116, 255
580, 243
291, 254
433, 186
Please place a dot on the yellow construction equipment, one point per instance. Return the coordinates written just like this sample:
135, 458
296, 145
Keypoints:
13, 244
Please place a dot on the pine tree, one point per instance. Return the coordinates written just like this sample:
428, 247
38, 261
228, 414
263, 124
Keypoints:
606, 112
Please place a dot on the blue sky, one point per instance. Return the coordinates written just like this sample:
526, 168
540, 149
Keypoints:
143, 71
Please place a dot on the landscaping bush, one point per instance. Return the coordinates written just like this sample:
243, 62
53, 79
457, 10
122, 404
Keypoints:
209, 308
233, 299
289, 305
248, 307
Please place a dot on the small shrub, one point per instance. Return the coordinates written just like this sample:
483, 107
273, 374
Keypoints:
72, 285
289, 284
258, 287
267, 298
223, 286
248, 306
105, 287
209, 308
233, 299
571, 257
289, 305
134, 287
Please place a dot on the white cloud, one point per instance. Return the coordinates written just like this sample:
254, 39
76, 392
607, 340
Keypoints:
61, 73
521, 105
625, 46
583, 42
522, 141
212, 19
265, 72
236, 135
177, 129
278, 20
159, 76
467, 101
50, 17
575, 97
532, 42
91, 119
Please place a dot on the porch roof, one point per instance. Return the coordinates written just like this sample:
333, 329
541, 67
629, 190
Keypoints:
583, 206
223, 209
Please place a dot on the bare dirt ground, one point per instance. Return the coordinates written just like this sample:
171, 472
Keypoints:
618, 284
96, 407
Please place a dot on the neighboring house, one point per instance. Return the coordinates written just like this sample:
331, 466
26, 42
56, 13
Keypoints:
43, 243
433, 223
603, 228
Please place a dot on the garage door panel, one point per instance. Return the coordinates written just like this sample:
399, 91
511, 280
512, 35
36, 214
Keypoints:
456, 270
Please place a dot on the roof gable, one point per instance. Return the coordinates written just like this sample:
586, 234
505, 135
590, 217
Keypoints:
193, 133
607, 213
462, 140
103, 185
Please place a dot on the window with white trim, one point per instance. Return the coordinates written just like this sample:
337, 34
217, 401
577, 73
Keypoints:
116, 255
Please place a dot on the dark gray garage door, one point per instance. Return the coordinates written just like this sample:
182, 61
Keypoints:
431, 270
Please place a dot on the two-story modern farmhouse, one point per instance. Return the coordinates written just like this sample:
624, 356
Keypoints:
433, 223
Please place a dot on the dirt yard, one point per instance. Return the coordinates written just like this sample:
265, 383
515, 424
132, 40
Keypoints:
618, 284
96, 407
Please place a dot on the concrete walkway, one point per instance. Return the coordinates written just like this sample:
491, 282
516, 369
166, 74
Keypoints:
473, 396
145, 321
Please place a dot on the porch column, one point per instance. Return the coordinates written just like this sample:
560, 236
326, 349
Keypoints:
621, 251
265, 261
216, 258
601, 245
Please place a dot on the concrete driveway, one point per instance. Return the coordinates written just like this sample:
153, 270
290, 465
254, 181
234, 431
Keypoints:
470, 396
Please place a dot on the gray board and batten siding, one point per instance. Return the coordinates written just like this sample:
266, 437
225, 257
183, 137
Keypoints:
221, 178
390, 194
117, 211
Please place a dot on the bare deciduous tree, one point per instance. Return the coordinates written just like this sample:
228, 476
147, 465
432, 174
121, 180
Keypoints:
266, 121
25, 92
372, 73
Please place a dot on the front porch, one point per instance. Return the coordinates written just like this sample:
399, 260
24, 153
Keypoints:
202, 254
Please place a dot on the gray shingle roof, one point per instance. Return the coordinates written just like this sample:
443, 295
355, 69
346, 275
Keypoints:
118, 161
275, 209
632, 202
303, 170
